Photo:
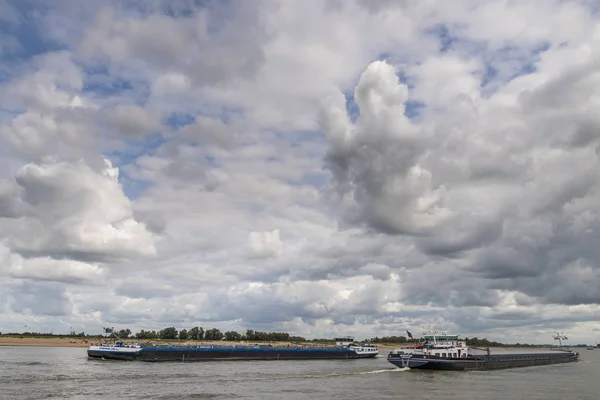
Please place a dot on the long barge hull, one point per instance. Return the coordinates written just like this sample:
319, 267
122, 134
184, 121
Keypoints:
156, 354
483, 363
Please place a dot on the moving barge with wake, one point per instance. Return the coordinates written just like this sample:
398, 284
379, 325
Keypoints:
121, 351
448, 352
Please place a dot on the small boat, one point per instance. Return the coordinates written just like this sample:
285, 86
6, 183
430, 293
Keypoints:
448, 352
364, 350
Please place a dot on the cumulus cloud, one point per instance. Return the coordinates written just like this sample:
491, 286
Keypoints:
67, 271
72, 211
375, 162
268, 166
131, 121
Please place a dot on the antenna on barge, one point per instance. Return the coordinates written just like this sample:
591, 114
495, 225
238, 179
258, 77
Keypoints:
560, 337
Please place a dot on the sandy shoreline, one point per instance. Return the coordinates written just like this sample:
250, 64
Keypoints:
79, 342
44, 342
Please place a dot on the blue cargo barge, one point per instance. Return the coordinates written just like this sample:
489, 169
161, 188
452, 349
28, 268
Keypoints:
120, 351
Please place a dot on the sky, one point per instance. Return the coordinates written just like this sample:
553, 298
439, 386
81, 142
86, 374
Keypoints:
321, 168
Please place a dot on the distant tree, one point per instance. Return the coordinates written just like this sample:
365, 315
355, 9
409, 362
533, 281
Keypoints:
389, 339
183, 334
168, 333
196, 333
124, 333
193, 333
146, 334
267, 336
232, 336
213, 334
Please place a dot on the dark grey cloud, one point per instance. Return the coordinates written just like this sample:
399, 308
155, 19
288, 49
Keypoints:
26, 297
210, 45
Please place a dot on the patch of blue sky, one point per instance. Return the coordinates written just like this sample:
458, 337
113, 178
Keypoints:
176, 9
101, 83
412, 111
385, 56
106, 86
220, 11
189, 8
227, 115
133, 188
177, 120
312, 144
451, 41
6, 73
510, 62
489, 74
300, 137
406, 79
593, 7
529, 66
133, 149
444, 35
27, 30
351, 107
230, 114
211, 161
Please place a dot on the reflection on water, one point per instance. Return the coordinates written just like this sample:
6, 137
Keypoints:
66, 373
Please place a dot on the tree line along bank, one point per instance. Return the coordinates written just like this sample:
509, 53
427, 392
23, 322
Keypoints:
199, 333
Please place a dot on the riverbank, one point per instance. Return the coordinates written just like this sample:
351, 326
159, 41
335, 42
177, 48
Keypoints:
85, 342
44, 342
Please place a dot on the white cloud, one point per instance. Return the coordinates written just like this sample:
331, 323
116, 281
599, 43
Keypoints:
67, 271
265, 244
70, 209
131, 121
376, 162
340, 167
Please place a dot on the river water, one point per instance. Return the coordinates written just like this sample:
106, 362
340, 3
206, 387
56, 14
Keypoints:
66, 373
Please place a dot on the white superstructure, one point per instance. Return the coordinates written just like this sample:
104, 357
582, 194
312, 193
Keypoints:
365, 350
441, 345
344, 341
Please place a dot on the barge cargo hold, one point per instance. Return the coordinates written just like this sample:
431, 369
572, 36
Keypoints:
447, 352
119, 351
484, 362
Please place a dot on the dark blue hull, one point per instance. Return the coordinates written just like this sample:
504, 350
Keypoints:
111, 355
155, 354
501, 361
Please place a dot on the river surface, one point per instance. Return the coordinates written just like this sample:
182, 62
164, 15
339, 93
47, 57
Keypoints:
66, 373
